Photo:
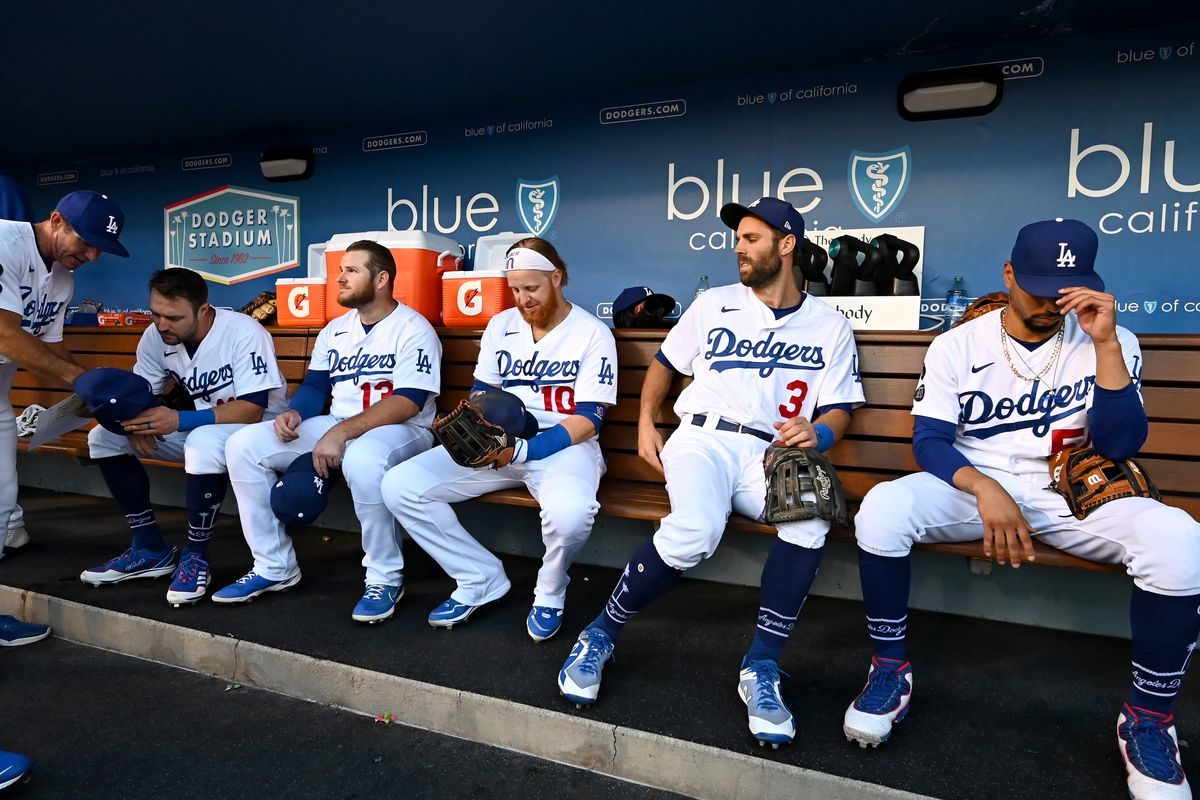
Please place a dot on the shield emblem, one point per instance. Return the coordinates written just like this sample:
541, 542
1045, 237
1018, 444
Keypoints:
537, 203
771, 97
878, 180
1164, 53
1150, 305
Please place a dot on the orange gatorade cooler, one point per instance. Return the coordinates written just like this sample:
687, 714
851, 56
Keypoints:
470, 299
300, 302
421, 258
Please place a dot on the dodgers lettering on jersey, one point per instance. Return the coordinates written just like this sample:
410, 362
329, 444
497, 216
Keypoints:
1006, 422
39, 295
756, 370
235, 358
402, 350
576, 362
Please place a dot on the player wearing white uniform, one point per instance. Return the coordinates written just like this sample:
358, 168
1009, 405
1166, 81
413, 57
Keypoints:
562, 363
36, 262
998, 395
14, 206
768, 363
381, 364
224, 363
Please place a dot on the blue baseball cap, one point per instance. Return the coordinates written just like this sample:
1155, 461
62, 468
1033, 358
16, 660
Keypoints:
1054, 254
660, 303
506, 410
114, 395
301, 495
97, 220
779, 214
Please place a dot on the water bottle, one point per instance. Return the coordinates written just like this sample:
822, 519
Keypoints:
956, 303
701, 287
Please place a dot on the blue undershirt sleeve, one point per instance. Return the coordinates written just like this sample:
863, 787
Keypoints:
480, 386
1117, 422
933, 447
660, 358
310, 397
592, 412
418, 396
260, 399
822, 410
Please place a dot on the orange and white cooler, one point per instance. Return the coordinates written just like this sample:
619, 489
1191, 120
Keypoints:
421, 259
300, 302
470, 299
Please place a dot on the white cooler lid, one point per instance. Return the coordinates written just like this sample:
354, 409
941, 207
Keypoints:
400, 240
474, 273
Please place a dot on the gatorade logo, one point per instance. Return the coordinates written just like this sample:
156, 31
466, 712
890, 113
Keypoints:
470, 298
298, 301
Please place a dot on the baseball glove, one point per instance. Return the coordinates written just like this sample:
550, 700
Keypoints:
471, 440
791, 471
176, 397
1088, 480
982, 305
261, 308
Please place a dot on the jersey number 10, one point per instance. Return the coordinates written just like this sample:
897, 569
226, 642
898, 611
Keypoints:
559, 398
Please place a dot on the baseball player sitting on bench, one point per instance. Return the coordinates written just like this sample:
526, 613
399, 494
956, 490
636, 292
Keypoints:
768, 364
223, 368
561, 362
381, 364
998, 397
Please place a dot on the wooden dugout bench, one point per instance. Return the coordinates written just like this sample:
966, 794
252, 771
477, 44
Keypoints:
877, 447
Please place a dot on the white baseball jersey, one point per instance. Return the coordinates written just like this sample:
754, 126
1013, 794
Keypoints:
235, 358
756, 370
1004, 421
400, 351
39, 294
576, 362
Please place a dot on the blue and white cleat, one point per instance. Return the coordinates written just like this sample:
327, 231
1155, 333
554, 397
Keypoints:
14, 632
450, 613
1150, 750
378, 603
250, 586
882, 703
770, 720
543, 622
13, 767
190, 582
133, 563
579, 678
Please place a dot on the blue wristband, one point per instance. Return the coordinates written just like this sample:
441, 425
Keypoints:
544, 445
824, 436
190, 420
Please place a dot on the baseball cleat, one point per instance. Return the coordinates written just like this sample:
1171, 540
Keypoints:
190, 582
770, 720
133, 563
450, 613
15, 538
14, 633
579, 678
250, 586
543, 622
13, 768
378, 603
882, 703
1150, 750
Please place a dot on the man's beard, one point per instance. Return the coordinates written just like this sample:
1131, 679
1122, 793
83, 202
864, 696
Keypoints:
360, 298
544, 313
763, 272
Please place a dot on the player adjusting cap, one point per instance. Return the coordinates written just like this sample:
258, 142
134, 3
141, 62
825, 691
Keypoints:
779, 214
300, 494
97, 219
1054, 254
114, 395
506, 410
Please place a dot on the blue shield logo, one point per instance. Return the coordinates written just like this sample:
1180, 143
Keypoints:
1150, 305
1164, 53
878, 180
537, 203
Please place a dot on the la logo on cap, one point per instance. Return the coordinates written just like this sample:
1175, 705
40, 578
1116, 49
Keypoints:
1066, 259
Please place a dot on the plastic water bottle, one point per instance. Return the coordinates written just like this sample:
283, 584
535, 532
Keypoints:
956, 303
701, 287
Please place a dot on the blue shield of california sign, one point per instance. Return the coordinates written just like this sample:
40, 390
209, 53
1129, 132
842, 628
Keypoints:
878, 180
231, 234
537, 203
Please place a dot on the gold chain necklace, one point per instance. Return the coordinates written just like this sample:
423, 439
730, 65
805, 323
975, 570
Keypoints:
1008, 355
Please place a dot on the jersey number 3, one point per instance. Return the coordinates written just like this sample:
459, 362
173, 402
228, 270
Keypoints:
796, 401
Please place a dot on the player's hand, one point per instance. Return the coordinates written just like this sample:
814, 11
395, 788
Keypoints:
797, 432
286, 424
156, 421
1006, 532
327, 455
144, 446
650, 444
1096, 311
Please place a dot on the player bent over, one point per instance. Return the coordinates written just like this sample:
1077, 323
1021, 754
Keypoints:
561, 362
999, 395
381, 364
765, 360
224, 363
